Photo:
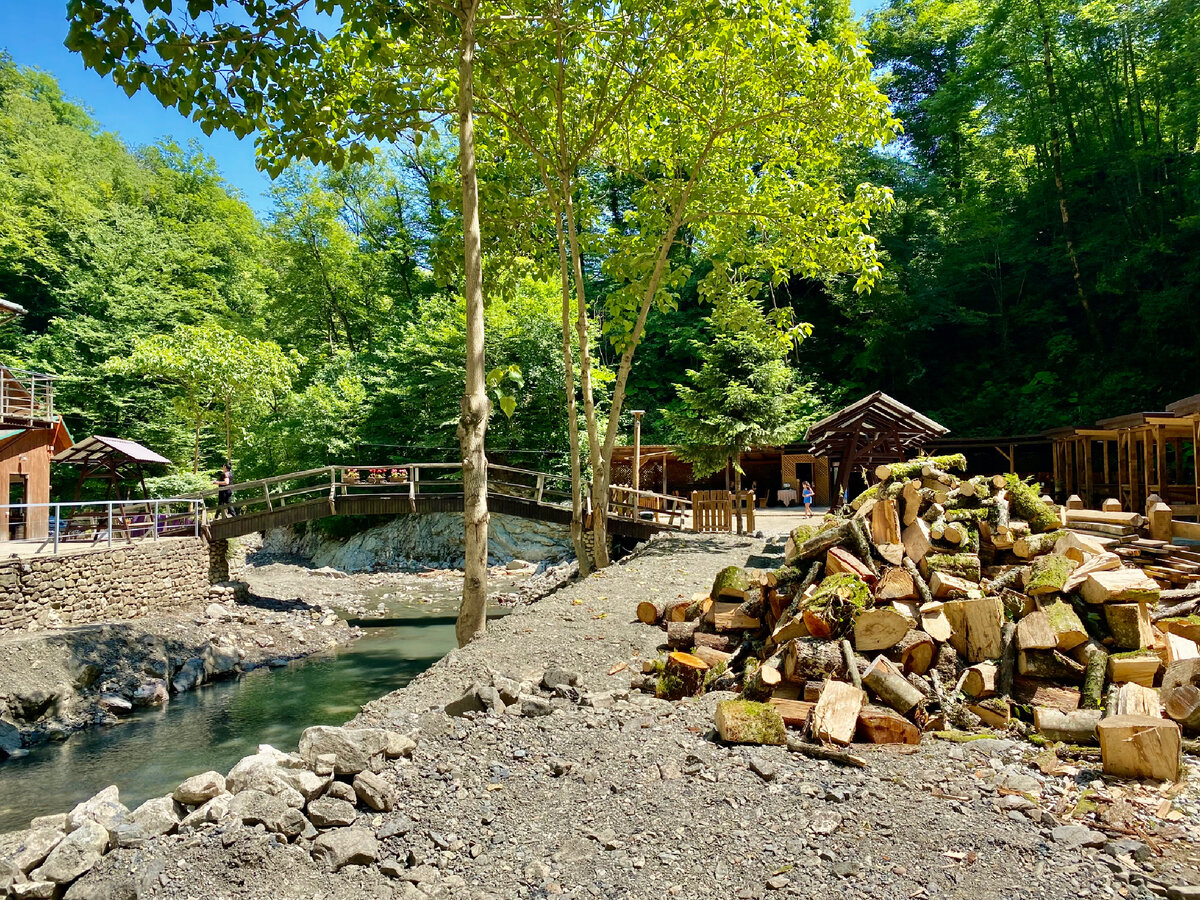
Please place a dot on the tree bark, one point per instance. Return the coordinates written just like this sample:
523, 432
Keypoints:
472, 423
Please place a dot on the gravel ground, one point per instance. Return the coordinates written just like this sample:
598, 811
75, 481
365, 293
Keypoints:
626, 796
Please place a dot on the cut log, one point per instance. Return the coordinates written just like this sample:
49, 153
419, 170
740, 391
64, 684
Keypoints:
697, 609
910, 609
961, 565
1050, 664
744, 722
917, 540
1013, 578
1140, 747
1008, 660
878, 629
839, 560
1129, 624
1094, 677
877, 725
884, 680
710, 656
1185, 626
944, 586
994, 712
934, 621
1075, 727
1035, 544
914, 653
813, 658
1135, 699
1120, 586
821, 542
786, 630
794, 713
1035, 633
1183, 705
885, 523
1048, 574
650, 612
731, 582
979, 680
984, 622
1179, 648
895, 584
1100, 562
761, 684
1065, 623
1180, 674
1139, 666
910, 498
723, 642
835, 716
1034, 692
683, 676
830, 609
726, 616
1028, 505
680, 634
1079, 546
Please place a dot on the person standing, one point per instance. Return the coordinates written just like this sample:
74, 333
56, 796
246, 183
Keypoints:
225, 483
806, 491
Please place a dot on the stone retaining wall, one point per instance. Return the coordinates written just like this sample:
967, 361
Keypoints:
121, 583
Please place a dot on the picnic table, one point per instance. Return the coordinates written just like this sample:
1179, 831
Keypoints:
787, 497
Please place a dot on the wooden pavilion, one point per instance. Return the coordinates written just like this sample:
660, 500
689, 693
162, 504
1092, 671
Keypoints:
115, 460
876, 429
1132, 456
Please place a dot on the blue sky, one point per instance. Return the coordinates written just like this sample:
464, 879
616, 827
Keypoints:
32, 31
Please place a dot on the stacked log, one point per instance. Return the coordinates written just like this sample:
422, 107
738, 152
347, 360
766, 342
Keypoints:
939, 601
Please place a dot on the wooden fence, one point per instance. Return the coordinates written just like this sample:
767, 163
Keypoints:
712, 511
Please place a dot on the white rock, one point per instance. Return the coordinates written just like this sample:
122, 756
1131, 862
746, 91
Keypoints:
157, 816
75, 854
104, 808
200, 789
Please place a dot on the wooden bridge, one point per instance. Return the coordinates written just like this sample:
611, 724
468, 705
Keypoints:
415, 488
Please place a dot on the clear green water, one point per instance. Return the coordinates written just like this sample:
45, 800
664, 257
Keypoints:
216, 725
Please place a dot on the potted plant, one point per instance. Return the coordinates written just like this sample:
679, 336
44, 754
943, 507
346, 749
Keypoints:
398, 476
375, 476
350, 476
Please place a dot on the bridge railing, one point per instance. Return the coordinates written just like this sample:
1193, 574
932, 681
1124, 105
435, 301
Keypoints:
626, 503
100, 522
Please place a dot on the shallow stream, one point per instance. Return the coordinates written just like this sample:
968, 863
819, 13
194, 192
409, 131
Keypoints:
214, 726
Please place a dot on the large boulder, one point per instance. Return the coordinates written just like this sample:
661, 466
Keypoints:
151, 693
214, 810
10, 739
276, 773
345, 847
158, 816
74, 855
327, 812
30, 850
105, 808
352, 748
257, 808
190, 675
199, 789
220, 659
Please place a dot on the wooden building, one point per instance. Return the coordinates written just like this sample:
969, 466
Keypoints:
30, 434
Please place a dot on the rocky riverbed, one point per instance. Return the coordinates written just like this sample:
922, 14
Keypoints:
525, 766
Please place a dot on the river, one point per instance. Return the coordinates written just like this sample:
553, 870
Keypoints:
214, 726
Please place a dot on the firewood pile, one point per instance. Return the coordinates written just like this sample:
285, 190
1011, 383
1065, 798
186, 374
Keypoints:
940, 603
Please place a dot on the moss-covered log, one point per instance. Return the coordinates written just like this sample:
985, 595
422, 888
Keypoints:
1048, 574
811, 659
823, 540
795, 541
837, 600
1064, 621
914, 467
731, 581
1036, 544
963, 565
1025, 499
1095, 678
919, 581
747, 722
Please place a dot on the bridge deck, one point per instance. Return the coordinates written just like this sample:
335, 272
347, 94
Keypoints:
333, 491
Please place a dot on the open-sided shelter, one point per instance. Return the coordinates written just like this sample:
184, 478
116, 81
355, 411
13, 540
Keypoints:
876, 429
115, 460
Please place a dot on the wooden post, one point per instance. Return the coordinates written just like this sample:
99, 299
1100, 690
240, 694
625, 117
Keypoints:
1147, 465
1161, 456
1160, 516
1112, 504
1074, 502
1196, 455
1089, 479
1057, 466
1107, 479
267, 495
541, 487
637, 448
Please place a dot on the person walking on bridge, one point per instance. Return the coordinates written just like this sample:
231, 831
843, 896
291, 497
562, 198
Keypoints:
225, 483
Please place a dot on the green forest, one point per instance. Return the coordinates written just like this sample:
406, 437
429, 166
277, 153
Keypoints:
1038, 260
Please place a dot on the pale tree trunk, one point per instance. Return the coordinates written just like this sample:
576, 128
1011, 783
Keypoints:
737, 489
472, 424
581, 328
581, 551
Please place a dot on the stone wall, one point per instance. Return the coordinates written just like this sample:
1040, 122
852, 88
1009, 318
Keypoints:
97, 585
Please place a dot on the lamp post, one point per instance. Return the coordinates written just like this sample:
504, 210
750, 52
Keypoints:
637, 448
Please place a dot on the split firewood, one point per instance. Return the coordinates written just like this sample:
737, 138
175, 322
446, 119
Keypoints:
1178, 648
961, 565
877, 725
1052, 664
732, 582
744, 722
795, 713
895, 584
1120, 586
1008, 660
910, 498
838, 560
1186, 627
1011, 579
1079, 546
1140, 747
914, 653
983, 619
1016, 605
917, 540
1075, 727
760, 685
1035, 633
943, 585
1100, 562
1129, 624
1036, 544
786, 630
835, 716
1138, 700
1035, 692
724, 642
697, 609
1048, 574
887, 683
934, 621
1139, 666
878, 629
1095, 675
994, 712
1183, 705
1068, 629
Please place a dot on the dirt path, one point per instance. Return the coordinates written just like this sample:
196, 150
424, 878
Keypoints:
626, 796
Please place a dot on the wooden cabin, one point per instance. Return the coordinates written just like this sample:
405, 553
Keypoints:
25, 455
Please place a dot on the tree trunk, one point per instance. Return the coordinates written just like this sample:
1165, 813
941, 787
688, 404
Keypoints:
472, 424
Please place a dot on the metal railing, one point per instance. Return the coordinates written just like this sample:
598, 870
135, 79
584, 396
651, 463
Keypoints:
107, 521
26, 397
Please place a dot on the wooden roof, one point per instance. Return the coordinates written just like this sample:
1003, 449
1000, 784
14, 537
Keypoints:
875, 428
1185, 407
110, 451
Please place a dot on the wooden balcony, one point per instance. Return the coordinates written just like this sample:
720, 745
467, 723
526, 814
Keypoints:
26, 399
